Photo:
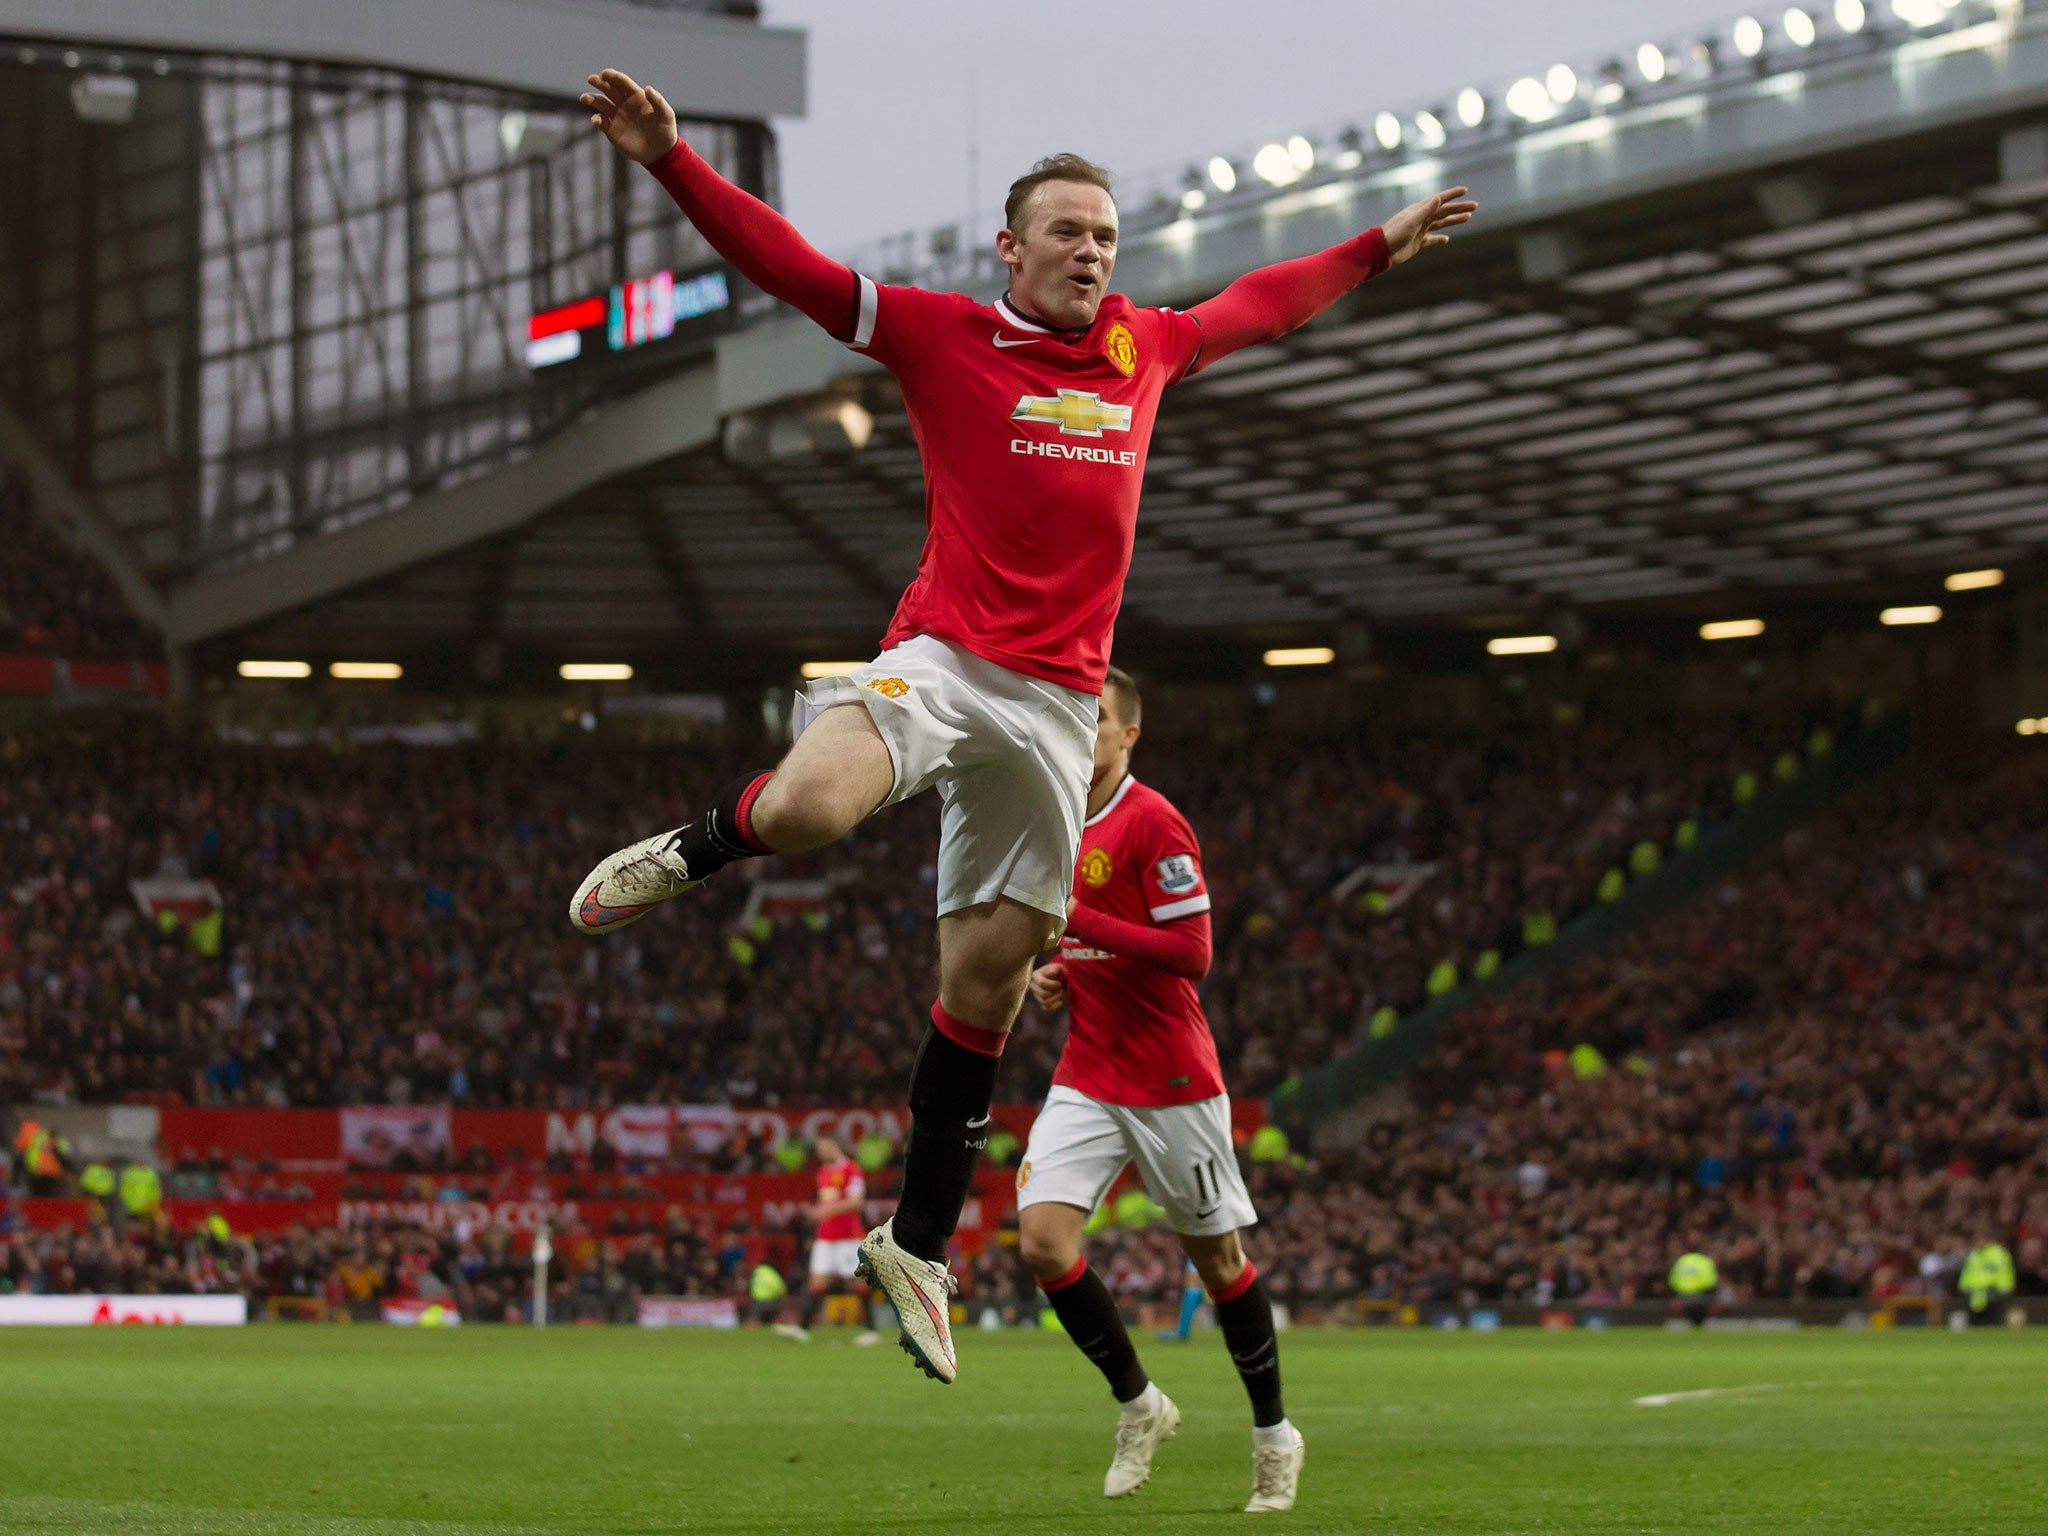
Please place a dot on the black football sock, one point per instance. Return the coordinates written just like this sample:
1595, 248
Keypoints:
725, 833
1088, 1312
951, 1086
1245, 1314
807, 1314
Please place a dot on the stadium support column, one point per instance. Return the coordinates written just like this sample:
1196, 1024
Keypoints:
416, 471
85, 306
301, 268
188, 488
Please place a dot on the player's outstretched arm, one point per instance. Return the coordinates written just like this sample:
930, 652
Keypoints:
1272, 301
763, 245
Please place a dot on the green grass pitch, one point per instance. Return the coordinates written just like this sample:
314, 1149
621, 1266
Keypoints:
375, 1431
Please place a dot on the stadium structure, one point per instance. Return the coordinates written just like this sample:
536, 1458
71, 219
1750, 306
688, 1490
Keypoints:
1561, 952
1755, 326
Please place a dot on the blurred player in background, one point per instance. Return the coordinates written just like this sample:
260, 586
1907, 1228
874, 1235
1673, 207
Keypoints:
1138, 1082
835, 1246
1033, 415
1191, 1298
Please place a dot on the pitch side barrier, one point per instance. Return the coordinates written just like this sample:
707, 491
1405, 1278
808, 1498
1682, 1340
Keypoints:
1298, 1106
1734, 1317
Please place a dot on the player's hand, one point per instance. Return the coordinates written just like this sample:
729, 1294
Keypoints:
1421, 225
1049, 987
639, 123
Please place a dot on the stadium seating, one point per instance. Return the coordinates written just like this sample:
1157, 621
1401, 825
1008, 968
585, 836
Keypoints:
55, 600
390, 926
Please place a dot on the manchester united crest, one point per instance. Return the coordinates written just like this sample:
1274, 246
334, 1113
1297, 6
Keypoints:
1121, 347
1096, 867
890, 687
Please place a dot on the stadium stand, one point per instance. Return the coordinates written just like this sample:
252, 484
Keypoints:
1826, 1071
387, 927
55, 600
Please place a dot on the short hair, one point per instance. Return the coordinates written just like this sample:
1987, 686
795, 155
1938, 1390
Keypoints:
1051, 168
1129, 707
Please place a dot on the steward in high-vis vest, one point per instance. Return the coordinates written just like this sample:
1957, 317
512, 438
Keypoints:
1695, 1279
1987, 1280
766, 1289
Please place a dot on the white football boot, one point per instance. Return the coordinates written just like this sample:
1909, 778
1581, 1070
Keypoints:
1138, 1435
630, 884
921, 1291
1276, 1468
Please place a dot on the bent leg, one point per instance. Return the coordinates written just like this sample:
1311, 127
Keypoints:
836, 775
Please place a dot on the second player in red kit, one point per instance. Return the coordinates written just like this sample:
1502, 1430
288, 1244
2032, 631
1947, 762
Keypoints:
1138, 1083
1033, 414
1136, 1033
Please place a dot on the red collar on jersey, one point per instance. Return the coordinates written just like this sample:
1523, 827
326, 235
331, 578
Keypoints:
1012, 315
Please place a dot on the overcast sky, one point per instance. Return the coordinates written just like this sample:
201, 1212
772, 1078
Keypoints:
1138, 84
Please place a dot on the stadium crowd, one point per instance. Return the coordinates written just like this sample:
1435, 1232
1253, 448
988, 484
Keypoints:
55, 600
391, 925
1831, 1074
478, 1270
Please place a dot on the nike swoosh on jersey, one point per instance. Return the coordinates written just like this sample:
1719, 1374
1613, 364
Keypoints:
1015, 341
975, 1125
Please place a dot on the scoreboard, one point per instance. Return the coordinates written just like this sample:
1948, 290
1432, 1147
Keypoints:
666, 312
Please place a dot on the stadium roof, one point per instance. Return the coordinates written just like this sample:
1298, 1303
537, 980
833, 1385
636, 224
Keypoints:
1779, 340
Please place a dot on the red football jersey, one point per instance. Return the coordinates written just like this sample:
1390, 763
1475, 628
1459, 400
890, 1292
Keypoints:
1136, 1034
1034, 446
841, 1181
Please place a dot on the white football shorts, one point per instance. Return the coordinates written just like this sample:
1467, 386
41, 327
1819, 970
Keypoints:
1079, 1145
1010, 756
837, 1259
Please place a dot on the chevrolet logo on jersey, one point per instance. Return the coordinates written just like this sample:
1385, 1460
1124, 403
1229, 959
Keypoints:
1077, 413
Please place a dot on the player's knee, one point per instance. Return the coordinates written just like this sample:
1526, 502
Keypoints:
797, 811
1048, 1255
1218, 1261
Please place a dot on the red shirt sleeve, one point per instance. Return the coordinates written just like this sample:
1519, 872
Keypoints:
1181, 948
1268, 303
763, 245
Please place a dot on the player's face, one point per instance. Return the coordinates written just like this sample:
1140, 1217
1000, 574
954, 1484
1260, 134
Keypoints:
827, 1150
1061, 261
1114, 738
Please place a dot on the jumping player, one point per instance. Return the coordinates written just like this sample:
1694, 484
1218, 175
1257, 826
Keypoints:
1138, 1082
1033, 415
835, 1246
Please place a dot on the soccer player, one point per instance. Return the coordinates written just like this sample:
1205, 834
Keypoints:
835, 1246
1139, 1082
1033, 415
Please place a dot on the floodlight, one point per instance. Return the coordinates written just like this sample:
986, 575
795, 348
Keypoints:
1972, 581
365, 671
1528, 100
1850, 15
1302, 153
596, 672
1429, 129
1275, 165
1222, 175
1799, 28
274, 668
1387, 129
1748, 35
1301, 656
1561, 82
1651, 63
1521, 645
1921, 613
1471, 107
1732, 629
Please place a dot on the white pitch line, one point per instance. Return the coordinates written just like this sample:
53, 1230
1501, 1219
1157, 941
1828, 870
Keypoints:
1666, 1399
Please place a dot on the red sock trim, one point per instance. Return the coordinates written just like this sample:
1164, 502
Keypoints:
1239, 1286
984, 1042
743, 813
1049, 1286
